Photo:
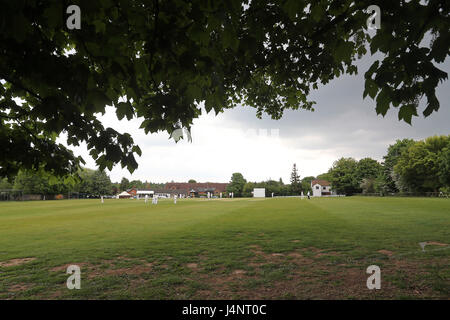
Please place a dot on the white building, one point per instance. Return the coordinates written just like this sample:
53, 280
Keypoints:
259, 192
142, 193
124, 195
320, 188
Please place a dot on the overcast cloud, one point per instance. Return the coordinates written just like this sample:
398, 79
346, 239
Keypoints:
343, 125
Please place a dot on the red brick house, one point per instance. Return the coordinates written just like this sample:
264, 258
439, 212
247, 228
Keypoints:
196, 189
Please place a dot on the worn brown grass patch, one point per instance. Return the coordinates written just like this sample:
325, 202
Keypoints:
435, 243
15, 262
315, 279
137, 267
64, 267
18, 287
386, 252
134, 270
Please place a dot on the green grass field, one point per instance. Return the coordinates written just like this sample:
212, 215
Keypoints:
226, 249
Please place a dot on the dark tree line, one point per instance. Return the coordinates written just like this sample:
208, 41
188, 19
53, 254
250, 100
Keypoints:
408, 166
88, 182
125, 184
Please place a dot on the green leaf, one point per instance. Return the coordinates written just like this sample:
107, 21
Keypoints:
317, 12
137, 150
53, 15
19, 25
371, 88
230, 39
124, 109
343, 52
193, 91
291, 7
197, 34
100, 26
383, 101
372, 69
99, 100
432, 105
406, 112
209, 103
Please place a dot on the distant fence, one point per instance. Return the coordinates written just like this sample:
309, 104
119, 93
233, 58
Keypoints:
406, 194
306, 196
10, 195
18, 195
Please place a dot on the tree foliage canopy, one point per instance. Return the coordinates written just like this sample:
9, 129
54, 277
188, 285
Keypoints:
236, 184
343, 176
409, 166
367, 168
159, 60
296, 184
390, 160
92, 182
424, 166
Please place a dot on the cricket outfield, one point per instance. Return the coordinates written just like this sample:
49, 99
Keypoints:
280, 248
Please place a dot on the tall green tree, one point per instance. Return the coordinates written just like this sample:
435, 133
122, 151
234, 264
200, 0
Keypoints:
324, 176
115, 188
444, 166
5, 184
306, 184
367, 171
236, 184
418, 169
390, 160
101, 183
343, 176
124, 184
367, 168
94, 182
41, 182
272, 186
368, 185
248, 189
157, 60
84, 184
296, 184
137, 184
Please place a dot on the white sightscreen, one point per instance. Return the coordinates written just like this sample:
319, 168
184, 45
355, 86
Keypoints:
259, 192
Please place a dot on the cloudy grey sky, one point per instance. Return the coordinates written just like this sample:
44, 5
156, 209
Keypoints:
342, 125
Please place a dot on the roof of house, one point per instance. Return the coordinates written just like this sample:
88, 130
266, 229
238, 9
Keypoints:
124, 193
205, 189
145, 192
320, 182
168, 191
212, 186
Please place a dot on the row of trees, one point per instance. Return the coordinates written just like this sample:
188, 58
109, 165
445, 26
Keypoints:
408, 166
243, 188
125, 184
90, 182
